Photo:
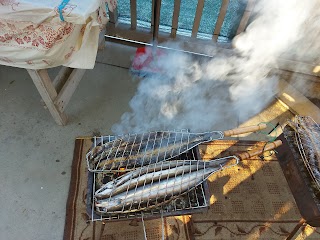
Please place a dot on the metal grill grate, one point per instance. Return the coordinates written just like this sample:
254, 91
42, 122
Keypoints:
303, 135
196, 200
155, 173
155, 184
136, 150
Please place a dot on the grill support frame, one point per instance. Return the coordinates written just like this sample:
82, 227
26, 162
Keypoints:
305, 201
192, 154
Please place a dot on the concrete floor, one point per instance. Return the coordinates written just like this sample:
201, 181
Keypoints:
36, 153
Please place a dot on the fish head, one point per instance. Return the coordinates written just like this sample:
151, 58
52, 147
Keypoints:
109, 204
103, 192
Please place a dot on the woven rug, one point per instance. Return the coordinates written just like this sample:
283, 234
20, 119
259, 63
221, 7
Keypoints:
78, 225
250, 201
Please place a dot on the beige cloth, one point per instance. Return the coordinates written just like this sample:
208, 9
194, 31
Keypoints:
33, 36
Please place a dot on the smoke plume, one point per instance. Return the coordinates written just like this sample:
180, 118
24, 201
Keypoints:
203, 95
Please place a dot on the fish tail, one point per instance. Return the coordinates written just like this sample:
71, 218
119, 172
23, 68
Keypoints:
219, 163
208, 136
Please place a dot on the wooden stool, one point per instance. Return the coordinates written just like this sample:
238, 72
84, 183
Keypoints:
57, 93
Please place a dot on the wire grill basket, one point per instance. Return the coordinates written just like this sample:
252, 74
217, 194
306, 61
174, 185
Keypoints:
158, 172
195, 200
135, 150
304, 134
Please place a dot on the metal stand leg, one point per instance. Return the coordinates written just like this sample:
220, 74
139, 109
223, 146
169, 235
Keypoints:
296, 228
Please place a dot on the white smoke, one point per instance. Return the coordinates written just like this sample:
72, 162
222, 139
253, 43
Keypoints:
203, 95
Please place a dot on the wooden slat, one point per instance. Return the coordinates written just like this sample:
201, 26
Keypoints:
197, 18
113, 16
175, 18
250, 5
48, 93
243, 22
113, 22
156, 13
222, 14
290, 75
246, 16
296, 101
42, 77
133, 10
61, 78
152, 15
68, 89
297, 66
102, 40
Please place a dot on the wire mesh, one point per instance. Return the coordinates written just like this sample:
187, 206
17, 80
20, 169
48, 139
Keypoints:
193, 197
304, 134
154, 185
135, 150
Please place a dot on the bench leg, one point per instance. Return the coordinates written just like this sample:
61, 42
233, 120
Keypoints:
48, 93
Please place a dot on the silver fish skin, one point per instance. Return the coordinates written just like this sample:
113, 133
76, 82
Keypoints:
101, 151
138, 172
129, 177
154, 190
147, 178
151, 150
98, 150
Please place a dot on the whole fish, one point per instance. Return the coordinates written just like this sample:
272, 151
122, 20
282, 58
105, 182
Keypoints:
140, 171
129, 142
168, 187
144, 149
159, 188
161, 166
144, 178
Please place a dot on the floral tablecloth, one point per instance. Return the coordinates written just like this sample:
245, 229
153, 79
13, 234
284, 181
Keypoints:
33, 34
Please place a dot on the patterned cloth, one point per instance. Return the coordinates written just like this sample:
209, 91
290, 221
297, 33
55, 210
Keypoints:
33, 36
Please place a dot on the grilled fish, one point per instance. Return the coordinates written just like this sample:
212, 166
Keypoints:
158, 187
156, 190
148, 174
138, 172
143, 149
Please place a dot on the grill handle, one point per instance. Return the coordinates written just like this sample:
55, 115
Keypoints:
254, 152
237, 131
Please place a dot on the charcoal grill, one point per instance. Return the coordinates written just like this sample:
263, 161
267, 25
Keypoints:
299, 161
194, 201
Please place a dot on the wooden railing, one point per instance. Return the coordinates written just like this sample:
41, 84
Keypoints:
136, 33
132, 34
